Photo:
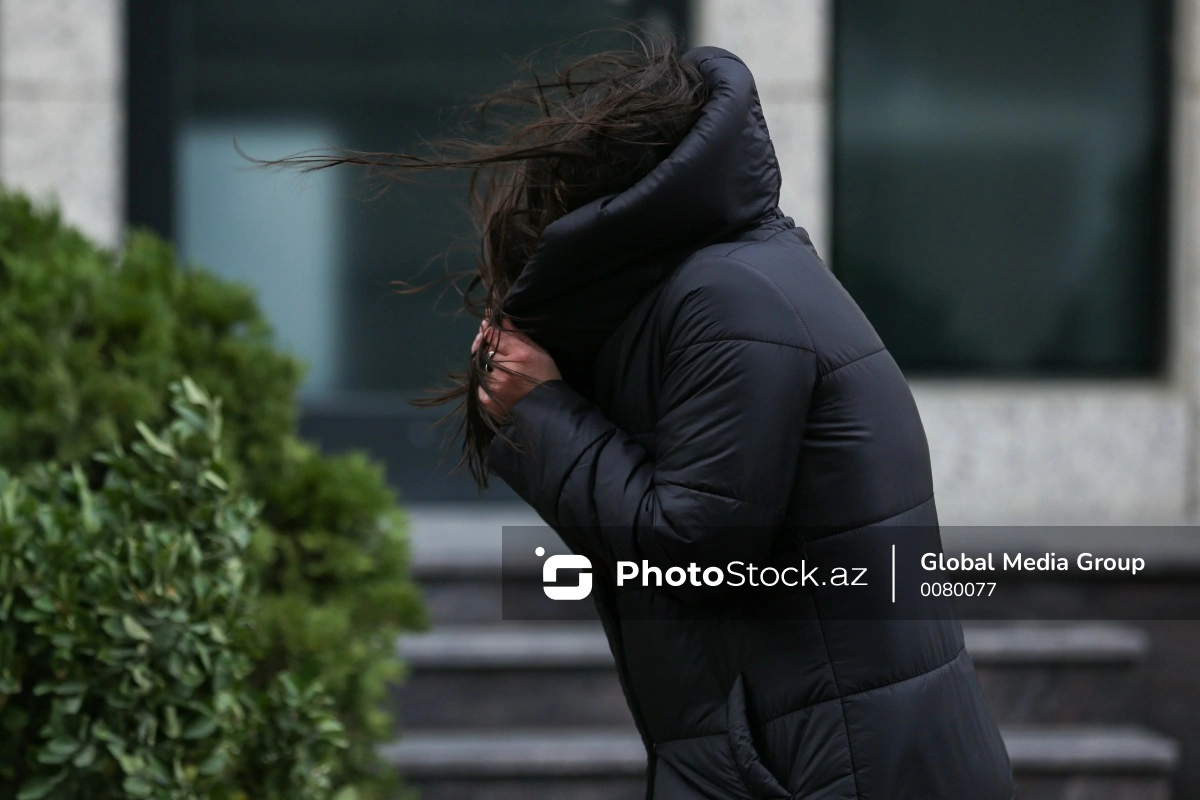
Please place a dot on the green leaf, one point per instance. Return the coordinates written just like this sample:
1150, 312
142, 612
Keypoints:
35, 788
130, 763
215, 479
87, 505
194, 420
214, 764
62, 746
70, 687
171, 726
85, 757
104, 734
141, 676
157, 444
329, 725
112, 627
135, 630
49, 755
200, 728
136, 786
193, 392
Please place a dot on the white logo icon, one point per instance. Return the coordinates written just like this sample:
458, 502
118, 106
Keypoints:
550, 575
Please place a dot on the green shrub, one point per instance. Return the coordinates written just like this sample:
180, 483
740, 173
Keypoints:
127, 645
90, 338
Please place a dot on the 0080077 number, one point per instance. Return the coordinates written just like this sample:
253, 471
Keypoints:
952, 589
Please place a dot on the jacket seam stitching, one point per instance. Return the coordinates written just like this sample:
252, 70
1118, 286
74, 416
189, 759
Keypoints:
841, 700
575, 465
715, 735
716, 56
782, 294
731, 339
744, 245
841, 697
774, 285
866, 525
685, 487
851, 363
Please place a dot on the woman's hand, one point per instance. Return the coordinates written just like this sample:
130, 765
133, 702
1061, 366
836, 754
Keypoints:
511, 349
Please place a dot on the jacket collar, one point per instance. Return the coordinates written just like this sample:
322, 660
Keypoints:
593, 265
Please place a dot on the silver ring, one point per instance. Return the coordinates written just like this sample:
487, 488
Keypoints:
487, 362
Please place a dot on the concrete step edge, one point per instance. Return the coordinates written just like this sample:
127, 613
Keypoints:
1090, 748
583, 646
547, 753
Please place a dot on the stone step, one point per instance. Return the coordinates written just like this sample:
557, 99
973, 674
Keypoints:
1062, 673
1051, 763
501, 676
1091, 762
548, 674
581, 644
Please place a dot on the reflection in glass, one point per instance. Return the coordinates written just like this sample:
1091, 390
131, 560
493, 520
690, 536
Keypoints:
279, 233
375, 75
999, 182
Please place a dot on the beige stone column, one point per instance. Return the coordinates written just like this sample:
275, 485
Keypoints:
62, 107
786, 45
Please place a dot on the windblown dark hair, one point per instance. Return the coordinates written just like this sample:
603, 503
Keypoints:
591, 129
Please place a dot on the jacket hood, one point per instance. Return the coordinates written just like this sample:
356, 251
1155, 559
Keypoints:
594, 264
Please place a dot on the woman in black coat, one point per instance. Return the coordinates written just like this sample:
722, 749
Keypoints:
721, 396
720, 392
669, 375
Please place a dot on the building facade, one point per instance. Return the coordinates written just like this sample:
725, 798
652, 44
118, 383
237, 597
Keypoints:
1111, 436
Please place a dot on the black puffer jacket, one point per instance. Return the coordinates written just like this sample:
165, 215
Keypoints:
723, 398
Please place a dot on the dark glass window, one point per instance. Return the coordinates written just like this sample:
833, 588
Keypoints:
999, 182
379, 75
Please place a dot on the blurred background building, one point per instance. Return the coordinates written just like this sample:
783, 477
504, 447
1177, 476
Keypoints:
1011, 190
